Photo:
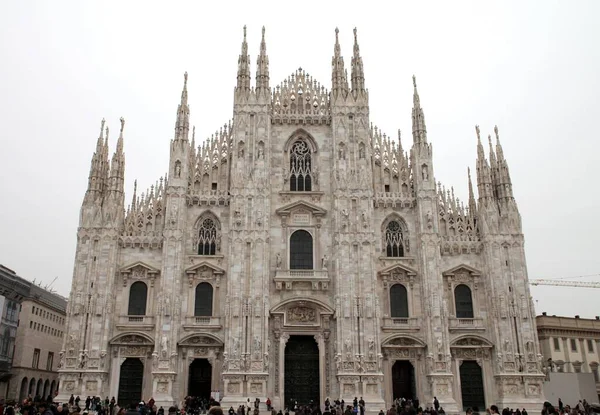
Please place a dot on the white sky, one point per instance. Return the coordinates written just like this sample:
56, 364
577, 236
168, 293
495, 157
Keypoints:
532, 68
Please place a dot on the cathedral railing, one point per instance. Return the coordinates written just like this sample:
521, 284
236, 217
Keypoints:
466, 324
302, 279
202, 322
136, 322
401, 323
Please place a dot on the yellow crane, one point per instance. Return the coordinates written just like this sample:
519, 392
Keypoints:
562, 283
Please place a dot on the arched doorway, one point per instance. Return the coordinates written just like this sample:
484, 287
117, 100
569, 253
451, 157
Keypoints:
403, 380
39, 390
31, 390
130, 381
200, 378
23, 390
301, 370
53, 388
471, 385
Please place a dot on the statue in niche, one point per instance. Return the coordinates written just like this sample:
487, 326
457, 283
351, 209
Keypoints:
259, 217
257, 343
345, 217
429, 220
371, 347
83, 358
324, 262
348, 346
363, 217
361, 152
278, 261
425, 172
164, 345
342, 153
261, 151
178, 169
241, 151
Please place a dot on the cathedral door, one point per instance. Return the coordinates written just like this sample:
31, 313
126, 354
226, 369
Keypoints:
200, 378
130, 381
301, 376
403, 380
471, 385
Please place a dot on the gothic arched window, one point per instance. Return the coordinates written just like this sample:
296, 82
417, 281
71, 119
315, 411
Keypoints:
138, 294
463, 301
208, 237
394, 239
300, 167
204, 299
398, 301
301, 250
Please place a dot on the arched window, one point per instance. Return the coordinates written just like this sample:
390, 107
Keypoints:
208, 237
300, 167
394, 239
301, 250
204, 300
398, 301
463, 301
138, 293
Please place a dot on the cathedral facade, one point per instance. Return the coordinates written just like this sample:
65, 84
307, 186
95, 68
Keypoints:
298, 254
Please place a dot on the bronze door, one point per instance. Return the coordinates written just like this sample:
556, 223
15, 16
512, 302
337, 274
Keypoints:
200, 378
403, 380
301, 375
471, 384
130, 381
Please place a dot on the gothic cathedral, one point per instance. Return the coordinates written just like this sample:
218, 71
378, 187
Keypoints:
299, 253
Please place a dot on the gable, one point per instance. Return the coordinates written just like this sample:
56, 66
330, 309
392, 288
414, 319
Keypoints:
139, 267
204, 266
398, 269
300, 207
461, 269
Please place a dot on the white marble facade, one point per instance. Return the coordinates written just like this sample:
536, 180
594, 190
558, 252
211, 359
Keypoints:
298, 217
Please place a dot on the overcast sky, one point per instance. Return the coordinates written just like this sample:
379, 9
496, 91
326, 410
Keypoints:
532, 68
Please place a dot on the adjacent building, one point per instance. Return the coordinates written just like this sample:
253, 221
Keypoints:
301, 253
38, 344
571, 353
31, 335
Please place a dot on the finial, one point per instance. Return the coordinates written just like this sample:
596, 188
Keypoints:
102, 126
122, 124
337, 40
414, 81
355, 36
106, 139
496, 132
477, 131
244, 33
263, 33
185, 76
490, 140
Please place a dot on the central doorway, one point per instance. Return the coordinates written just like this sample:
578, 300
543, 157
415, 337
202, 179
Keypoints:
403, 380
301, 375
130, 381
471, 385
200, 378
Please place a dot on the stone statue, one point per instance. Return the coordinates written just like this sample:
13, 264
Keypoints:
278, 261
257, 343
363, 217
324, 262
164, 345
348, 345
225, 362
261, 152
83, 358
177, 169
425, 172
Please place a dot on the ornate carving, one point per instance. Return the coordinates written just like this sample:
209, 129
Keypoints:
301, 315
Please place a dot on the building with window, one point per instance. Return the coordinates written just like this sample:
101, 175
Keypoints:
571, 354
12, 291
301, 253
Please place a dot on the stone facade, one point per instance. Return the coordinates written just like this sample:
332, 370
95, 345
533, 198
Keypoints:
299, 217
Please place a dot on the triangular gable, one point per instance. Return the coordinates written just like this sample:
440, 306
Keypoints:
214, 268
287, 209
457, 268
149, 269
389, 270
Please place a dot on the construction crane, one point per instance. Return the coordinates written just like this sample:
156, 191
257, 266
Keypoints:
581, 284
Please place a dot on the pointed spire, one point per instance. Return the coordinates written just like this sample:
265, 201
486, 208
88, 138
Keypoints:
484, 179
339, 79
504, 182
262, 66
243, 74
499, 150
358, 75
418, 117
117, 166
472, 204
134, 198
182, 125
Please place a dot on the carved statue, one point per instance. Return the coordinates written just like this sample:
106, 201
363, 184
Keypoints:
429, 220
257, 343
236, 348
425, 172
324, 262
164, 345
261, 152
225, 362
348, 345
61, 360
371, 345
83, 358
278, 261
363, 217
178, 169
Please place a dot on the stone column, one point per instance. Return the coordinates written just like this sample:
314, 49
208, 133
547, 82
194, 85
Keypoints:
280, 385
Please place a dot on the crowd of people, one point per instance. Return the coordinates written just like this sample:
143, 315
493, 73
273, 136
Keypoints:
200, 406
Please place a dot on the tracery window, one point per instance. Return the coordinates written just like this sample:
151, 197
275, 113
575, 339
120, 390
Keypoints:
463, 301
207, 237
394, 239
300, 167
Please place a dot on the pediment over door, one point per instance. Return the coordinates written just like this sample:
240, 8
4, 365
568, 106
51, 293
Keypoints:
204, 271
195, 340
403, 341
398, 273
462, 269
132, 339
301, 213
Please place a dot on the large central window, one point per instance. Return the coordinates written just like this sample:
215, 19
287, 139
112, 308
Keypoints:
207, 237
394, 246
301, 250
300, 167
